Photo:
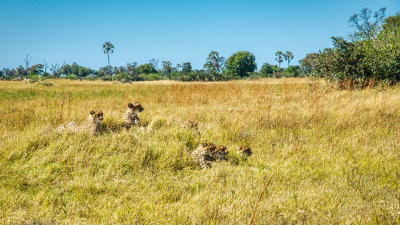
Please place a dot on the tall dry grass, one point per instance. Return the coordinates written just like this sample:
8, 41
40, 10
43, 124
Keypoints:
333, 156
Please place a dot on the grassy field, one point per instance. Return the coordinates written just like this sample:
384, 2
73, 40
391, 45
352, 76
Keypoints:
320, 155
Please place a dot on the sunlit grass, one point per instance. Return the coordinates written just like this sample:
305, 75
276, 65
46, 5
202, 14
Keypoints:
333, 155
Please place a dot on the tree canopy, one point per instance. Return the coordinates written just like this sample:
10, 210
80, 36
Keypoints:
241, 63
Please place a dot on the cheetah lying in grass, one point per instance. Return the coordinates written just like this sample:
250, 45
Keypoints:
130, 117
245, 151
207, 152
190, 124
91, 125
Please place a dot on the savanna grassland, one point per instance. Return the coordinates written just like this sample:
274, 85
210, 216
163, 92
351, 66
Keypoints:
321, 155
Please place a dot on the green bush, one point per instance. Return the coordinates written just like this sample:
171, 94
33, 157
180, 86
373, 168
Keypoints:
292, 71
35, 78
123, 77
267, 70
150, 77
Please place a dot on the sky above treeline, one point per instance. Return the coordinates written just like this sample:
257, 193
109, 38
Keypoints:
178, 31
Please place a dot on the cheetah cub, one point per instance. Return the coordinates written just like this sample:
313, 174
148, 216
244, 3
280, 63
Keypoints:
91, 125
245, 151
130, 117
207, 152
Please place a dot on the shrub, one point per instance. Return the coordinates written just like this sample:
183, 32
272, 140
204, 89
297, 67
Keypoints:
150, 77
267, 70
35, 78
292, 71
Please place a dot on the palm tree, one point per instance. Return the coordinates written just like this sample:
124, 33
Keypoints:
288, 57
108, 49
278, 58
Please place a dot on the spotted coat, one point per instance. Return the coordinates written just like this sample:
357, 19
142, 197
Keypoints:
130, 116
91, 125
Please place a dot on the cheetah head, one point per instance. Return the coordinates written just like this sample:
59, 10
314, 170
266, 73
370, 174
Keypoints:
97, 116
220, 152
190, 124
209, 149
135, 107
245, 151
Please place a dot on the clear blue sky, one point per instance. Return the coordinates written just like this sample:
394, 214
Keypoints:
178, 31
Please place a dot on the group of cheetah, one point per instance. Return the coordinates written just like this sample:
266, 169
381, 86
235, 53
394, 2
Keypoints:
92, 124
203, 155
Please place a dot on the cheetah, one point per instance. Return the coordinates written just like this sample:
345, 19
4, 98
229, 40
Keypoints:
220, 153
91, 125
207, 152
190, 124
130, 116
245, 151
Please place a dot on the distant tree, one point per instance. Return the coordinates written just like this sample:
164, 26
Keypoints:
279, 58
36, 69
131, 68
75, 68
214, 63
186, 67
292, 71
146, 69
116, 70
27, 61
178, 67
268, 69
241, 63
122, 69
66, 69
365, 26
104, 71
55, 69
84, 71
21, 72
108, 49
288, 57
9, 73
167, 67
45, 66
154, 62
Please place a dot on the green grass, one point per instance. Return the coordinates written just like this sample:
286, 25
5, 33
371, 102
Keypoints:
333, 155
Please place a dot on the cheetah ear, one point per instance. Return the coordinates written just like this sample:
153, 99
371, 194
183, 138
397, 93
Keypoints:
130, 105
92, 112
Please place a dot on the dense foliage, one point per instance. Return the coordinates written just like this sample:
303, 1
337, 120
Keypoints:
268, 70
371, 55
241, 63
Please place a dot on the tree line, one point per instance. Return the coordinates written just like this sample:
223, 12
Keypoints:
238, 66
